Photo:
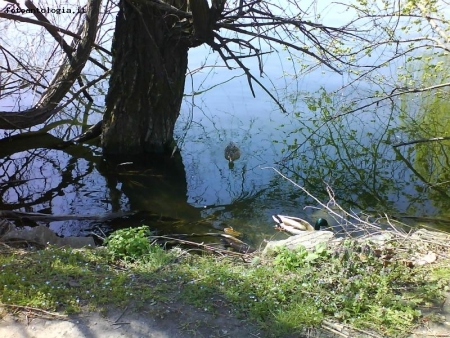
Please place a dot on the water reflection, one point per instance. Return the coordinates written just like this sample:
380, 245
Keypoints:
198, 192
352, 154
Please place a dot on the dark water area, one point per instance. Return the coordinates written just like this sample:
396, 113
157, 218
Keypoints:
197, 191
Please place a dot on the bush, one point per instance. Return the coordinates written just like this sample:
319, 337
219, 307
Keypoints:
129, 243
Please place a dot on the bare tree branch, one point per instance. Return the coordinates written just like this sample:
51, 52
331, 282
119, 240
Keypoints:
61, 83
49, 26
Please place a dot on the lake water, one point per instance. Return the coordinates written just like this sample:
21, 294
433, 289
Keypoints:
352, 155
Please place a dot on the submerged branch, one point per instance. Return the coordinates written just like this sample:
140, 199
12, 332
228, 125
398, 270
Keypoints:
37, 216
424, 140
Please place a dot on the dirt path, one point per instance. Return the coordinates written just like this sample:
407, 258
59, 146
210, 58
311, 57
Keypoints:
433, 329
173, 320
160, 322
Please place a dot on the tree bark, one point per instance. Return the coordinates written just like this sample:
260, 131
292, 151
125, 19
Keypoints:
147, 81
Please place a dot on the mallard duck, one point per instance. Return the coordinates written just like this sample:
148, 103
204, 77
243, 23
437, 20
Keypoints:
232, 152
298, 223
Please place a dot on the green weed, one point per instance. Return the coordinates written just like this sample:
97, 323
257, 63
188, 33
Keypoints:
285, 294
129, 243
298, 289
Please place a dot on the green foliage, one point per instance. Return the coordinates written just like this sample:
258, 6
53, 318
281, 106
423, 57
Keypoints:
354, 287
428, 118
286, 294
129, 243
64, 280
292, 259
298, 289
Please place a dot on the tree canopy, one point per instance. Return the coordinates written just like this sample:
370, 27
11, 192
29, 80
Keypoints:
47, 61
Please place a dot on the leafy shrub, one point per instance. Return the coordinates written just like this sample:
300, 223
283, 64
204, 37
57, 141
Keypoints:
129, 243
292, 259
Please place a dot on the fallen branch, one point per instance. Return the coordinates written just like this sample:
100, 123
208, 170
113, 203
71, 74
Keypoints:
231, 241
201, 245
333, 328
338, 328
37, 311
116, 322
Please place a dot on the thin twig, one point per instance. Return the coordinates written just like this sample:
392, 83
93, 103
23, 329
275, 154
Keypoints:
29, 308
123, 312
203, 246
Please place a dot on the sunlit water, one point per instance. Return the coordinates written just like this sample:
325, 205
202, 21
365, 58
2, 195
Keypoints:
360, 166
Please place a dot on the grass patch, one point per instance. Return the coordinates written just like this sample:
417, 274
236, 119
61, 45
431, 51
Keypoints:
69, 280
285, 294
298, 289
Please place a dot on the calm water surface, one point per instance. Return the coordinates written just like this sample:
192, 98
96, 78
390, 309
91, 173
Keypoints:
353, 155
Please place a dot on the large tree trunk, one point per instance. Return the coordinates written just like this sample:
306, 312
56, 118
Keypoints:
147, 81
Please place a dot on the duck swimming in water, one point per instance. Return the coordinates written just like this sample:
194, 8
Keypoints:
298, 223
232, 153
